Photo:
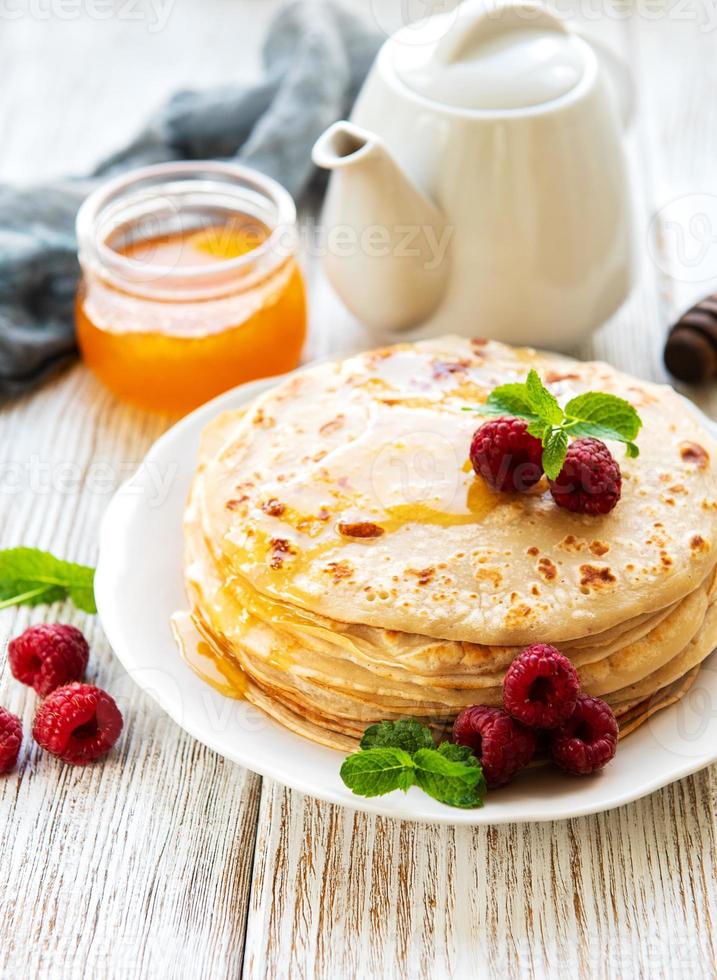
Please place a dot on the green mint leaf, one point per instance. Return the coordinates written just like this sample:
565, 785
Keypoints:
528, 399
544, 404
512, 399
29, 577
373, 772
541, 430
484, 408
457, 753
594, 413
449, 780
407, 734
554, 453
603, 432
608, 412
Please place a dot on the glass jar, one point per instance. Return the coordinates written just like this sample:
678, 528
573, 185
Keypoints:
190, 283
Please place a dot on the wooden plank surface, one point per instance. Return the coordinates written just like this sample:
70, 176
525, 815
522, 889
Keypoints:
168, 861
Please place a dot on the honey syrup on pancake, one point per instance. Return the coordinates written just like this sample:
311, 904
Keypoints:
480, 502
351, 452
201, 655
306, 517
415, 479
288, 558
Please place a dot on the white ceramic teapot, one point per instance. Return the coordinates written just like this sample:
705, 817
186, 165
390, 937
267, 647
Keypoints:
480, 187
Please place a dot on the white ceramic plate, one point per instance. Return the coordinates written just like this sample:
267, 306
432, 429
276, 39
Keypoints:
139, 586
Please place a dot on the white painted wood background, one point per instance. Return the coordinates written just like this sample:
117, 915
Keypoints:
167, 861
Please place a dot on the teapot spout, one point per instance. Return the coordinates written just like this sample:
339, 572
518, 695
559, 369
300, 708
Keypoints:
387, 244
343, 145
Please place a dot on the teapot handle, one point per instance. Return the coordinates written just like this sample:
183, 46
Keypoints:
618, 71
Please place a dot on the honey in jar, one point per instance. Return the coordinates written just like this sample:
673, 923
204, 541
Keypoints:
190, 283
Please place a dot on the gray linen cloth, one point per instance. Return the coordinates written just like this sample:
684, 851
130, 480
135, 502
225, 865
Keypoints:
315, 57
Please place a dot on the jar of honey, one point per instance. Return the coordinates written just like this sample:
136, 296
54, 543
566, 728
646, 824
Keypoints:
190, 283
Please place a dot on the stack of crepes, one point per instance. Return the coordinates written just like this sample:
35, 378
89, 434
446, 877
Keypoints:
345, 565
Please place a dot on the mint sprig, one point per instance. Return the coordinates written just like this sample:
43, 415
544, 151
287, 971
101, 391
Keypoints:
373, 772
401, 754
407, 734
594, 413
29, 577
450, 774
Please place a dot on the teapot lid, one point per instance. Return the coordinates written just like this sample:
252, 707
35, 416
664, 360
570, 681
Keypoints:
510, 57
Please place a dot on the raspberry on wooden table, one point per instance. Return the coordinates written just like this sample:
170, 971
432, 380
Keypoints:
78, 723
10, 740
541, 687
588, 739
506, 455
590, 481
501, 745
48, 655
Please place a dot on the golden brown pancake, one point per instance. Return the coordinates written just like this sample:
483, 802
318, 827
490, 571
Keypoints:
345, 565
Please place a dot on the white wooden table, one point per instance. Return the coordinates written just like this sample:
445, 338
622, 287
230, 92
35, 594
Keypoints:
169, 861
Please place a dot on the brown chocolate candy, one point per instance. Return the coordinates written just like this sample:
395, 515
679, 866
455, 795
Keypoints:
691, 348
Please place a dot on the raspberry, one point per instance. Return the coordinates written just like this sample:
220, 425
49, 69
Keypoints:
506, 456
540, 687
590, 480
501, 745
78, 723
10, 740
587, 740
48, 656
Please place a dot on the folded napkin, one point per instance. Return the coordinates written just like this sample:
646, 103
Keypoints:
315, 56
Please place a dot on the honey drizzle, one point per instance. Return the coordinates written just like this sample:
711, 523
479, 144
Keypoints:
201, 656
481, 501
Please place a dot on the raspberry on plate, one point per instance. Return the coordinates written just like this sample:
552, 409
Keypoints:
590, 481
78, 723
540, 687
10, 740
587, 740
47, 656
501, 745
506, 455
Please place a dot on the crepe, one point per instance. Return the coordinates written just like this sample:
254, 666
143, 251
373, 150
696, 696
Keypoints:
422, 614
381, 441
